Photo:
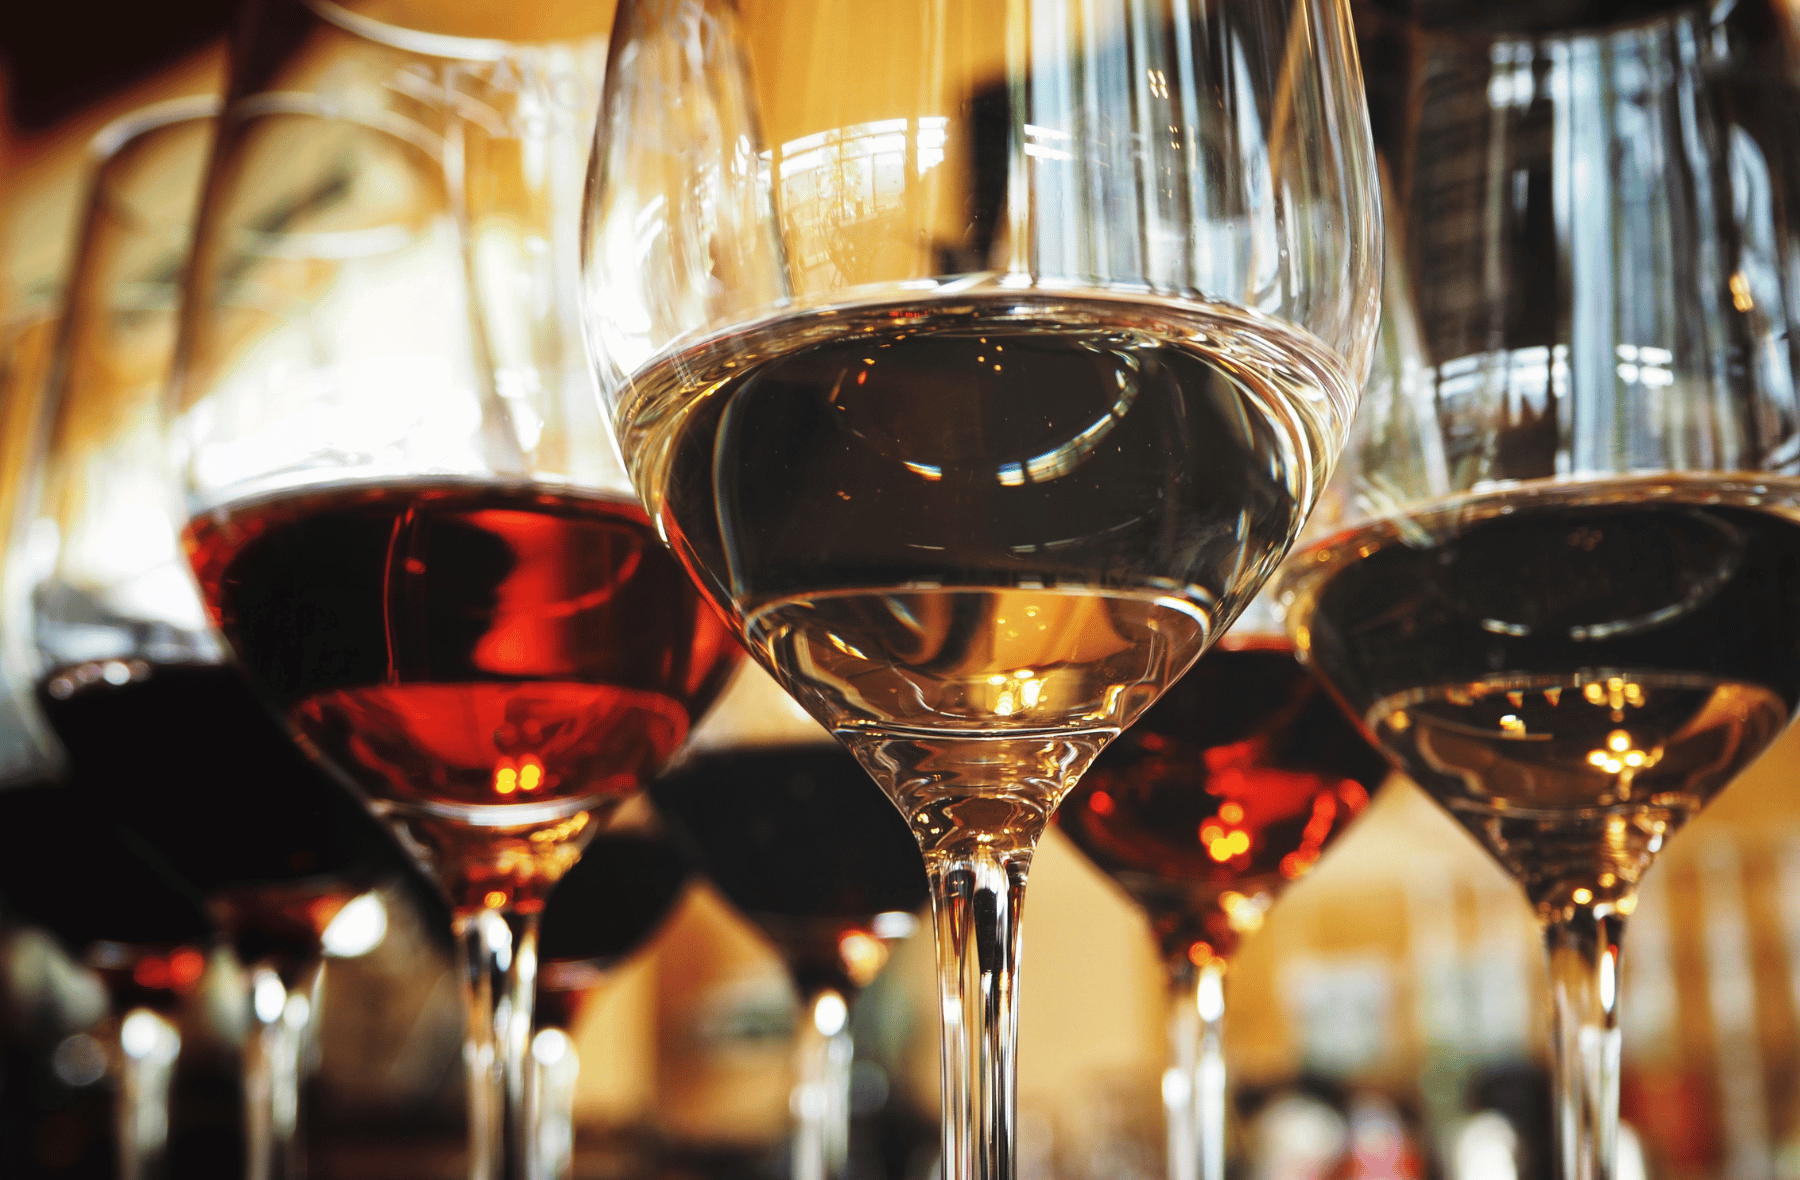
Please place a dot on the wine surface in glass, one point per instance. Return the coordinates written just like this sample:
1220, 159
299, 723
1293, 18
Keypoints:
996, 515
185, 756
1223, 792
1572, 672
799, 839
493, 665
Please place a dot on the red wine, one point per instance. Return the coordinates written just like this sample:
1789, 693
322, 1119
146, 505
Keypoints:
1005, 514
490, 665
1574, 671
803, 842
187, 757
1224, 791
69, 868
610, 904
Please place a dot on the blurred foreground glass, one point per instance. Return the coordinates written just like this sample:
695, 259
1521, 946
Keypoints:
405, 511
1226, 790
980, 361
786, 825
1565, 593
162, 736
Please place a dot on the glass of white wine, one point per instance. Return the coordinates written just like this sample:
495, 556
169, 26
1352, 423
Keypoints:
1564, 588
980, 361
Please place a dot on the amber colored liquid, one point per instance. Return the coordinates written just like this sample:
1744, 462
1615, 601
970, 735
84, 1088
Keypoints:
1001, 516
1227, 789
492, 666
1573, 671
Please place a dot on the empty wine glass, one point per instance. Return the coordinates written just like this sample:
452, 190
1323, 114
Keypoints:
1565, 590
404, 509
980, 361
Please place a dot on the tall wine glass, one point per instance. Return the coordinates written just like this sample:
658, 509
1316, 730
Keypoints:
1565, 593
1226, 790
788, 827
162, 735
980, 361
405, 512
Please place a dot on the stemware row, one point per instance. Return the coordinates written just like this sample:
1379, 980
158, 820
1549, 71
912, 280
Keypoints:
977, 391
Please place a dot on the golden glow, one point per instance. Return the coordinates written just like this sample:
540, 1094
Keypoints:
531, 773
1740, 292
506, 779
1512, 724
863, 956
1582, 896
1245, 911
1625, 905
494, 899
1232, 813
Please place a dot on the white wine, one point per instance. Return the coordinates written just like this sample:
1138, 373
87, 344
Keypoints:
1573, 672
1003, 516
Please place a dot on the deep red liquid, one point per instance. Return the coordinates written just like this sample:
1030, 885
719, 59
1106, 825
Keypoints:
804, 843
1233, 783
457, 648
186, 757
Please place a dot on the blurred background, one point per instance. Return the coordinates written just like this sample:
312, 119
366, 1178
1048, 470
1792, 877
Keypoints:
1385, 1020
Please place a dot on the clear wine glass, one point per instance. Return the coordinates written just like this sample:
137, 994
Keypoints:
1564, 592
403, 506
980, 361
1224, 792
162, 735
788, 828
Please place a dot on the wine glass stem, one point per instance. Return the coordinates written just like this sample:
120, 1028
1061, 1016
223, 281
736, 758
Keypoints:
497, 955
976, 897
1194, 1087
821, 1098
148, 1045
1582, 945
281, 1010
552, 1072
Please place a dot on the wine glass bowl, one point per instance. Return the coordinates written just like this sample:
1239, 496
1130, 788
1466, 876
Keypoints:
403, 507
980, 386
1557, 584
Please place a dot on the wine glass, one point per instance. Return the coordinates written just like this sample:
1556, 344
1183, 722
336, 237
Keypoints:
403, 507
980, 361
1563, 592
162, 736
1226, 790
613, 902
137, 926
786, 825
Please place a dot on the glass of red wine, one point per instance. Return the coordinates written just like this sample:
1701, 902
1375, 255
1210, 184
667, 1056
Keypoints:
112, 902
792, 832
403, 506
162, 736
625, 886
980, 361
1563, 586
1224, 792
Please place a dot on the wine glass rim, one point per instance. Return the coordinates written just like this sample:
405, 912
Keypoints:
1712, 11
112, 138
445, 45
